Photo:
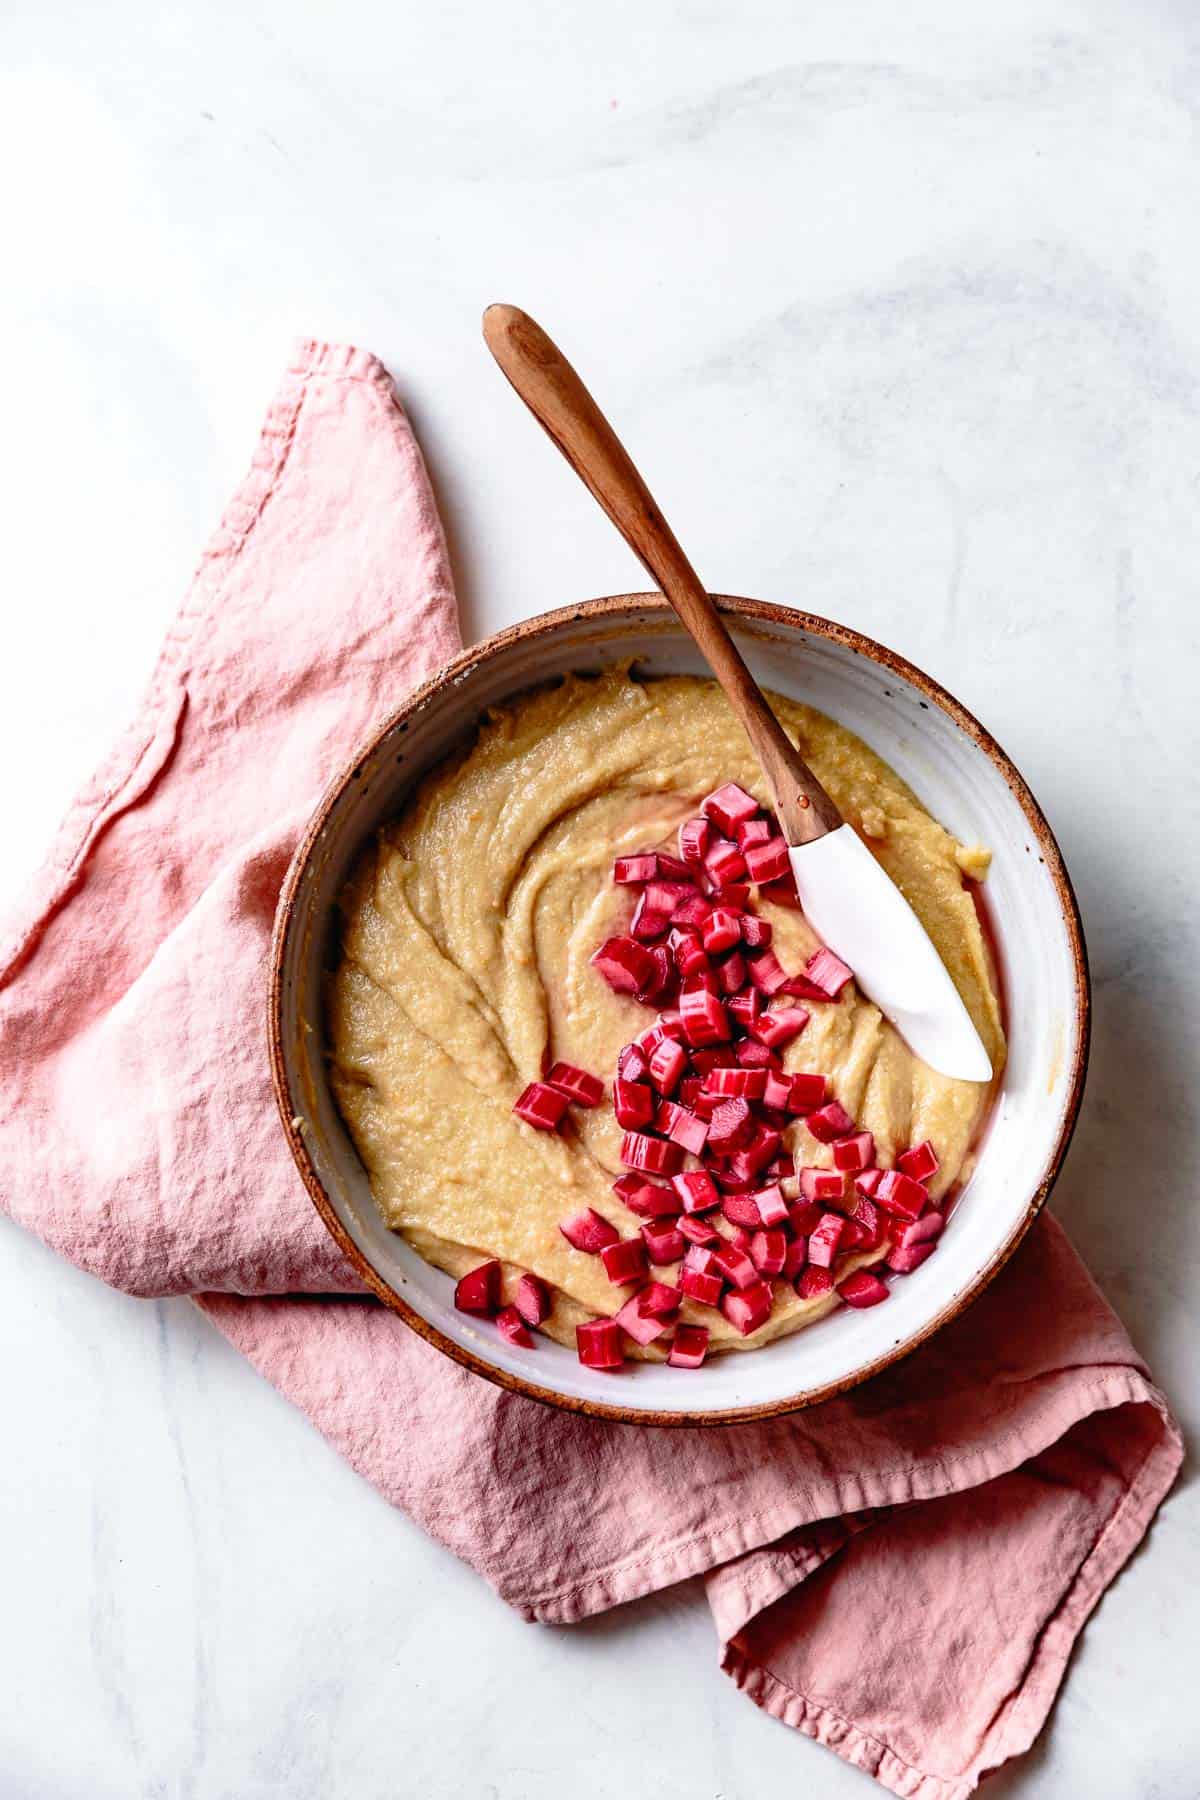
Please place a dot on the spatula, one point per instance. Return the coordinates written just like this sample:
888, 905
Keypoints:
848, 899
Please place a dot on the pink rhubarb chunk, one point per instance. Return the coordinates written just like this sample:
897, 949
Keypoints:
689, 1346
541, 1106
598, 1344
829, 1122
920, 1162
650, 1155
532, 1300
749, 1309
863, 1289
624, 1261
626, 965
828, 972
479, 1290
511, 1325
728, 807
576, 1084
589, 1232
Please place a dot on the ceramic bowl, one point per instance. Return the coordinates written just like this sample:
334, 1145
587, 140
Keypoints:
963, 778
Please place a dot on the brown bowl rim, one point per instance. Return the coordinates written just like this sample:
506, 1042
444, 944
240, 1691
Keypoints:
761, 612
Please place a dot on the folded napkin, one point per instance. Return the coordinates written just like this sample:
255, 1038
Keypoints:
900, 1573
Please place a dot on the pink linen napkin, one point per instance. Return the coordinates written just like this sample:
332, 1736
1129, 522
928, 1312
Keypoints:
900, 1574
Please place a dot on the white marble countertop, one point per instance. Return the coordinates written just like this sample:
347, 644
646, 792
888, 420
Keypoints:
900, 309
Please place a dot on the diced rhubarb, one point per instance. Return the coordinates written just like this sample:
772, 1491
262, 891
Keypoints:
633, 869
689, 1347
701, 981
854, 1153
723, 1056
698, 1258
532, 1300
625, 964
795, 1258
661, 985
671, 868
749, 1083
731, 973
734, 895
728, 807
752, 831
587, 1231
687, 952
901, 1194
576, 1084
724, 864
863, 1289
648, 1199
745, 1008
682, 1127
924, 1230
808, 1091
905, 1261
631, 1064
740, 1237
624, 1261
822, 1184
511, 1325
767, 972
784, 1165
721, 931
866, 1221
479, 1290
772, 1207
667, 1062
598, 1344
704, 1288
704, 1018
767, 861
651, 1155
692, 911
805, 1217
814, 1283
803, 988
665, 896
697, 1190
777, 1090
657, 1300
736, 1267
648, 923
920, 1162
694, 838
763, 1148
541, 1106
698, 1230
664, 1241
823, 1242
868, 1181
829, 1122
768, 1251
749, 1309
778, 1028
633, 1104
828, 972
756, 932
753, 1055
642, 1327
731, 1126
742, 1209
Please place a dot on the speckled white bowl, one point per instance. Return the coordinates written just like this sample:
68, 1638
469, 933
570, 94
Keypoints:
963, 778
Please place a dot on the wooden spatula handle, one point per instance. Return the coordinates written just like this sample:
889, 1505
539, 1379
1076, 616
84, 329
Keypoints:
561, 404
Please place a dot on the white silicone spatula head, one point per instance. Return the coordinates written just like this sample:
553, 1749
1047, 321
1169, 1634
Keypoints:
855, 907
848, 898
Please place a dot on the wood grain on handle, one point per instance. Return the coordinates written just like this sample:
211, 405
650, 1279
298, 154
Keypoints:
557, 398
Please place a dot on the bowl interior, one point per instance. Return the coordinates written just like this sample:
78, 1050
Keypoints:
961, 782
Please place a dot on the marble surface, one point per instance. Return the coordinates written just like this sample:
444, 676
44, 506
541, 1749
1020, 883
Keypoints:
900, 309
